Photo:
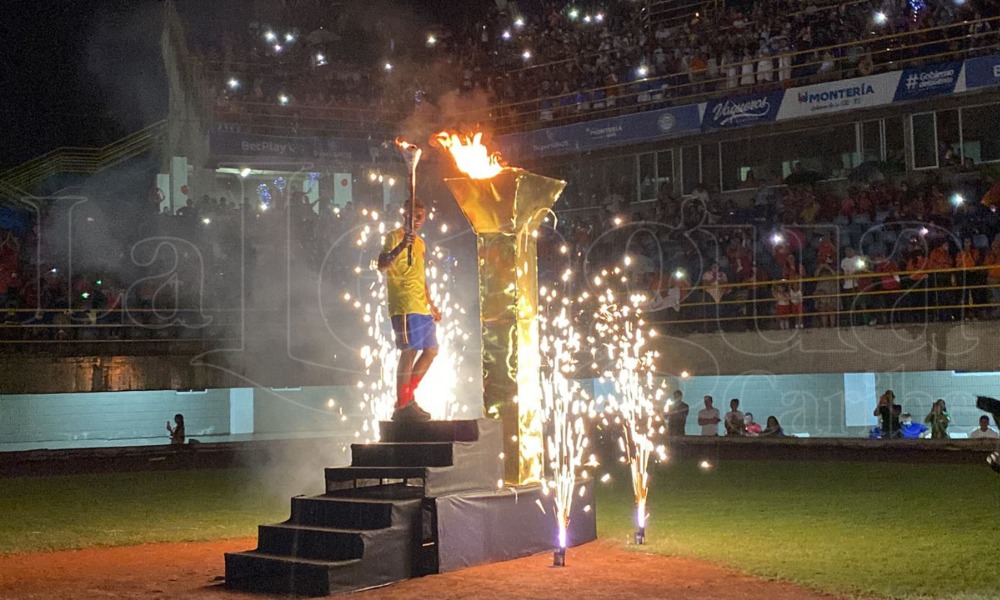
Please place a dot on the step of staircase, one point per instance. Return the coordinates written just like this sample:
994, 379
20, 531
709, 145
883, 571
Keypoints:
403, 454
254, 571
432, 431
341, 513
434, 463
318, 556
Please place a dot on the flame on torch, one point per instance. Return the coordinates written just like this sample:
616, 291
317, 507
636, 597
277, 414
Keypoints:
470, 155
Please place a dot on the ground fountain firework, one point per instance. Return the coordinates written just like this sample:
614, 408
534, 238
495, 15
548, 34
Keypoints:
567, 410
632, 404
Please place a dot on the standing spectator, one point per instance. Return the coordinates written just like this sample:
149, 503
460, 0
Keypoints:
940, 259
782, 304
849, 266
708, 418
971, 278
753, 428
714, 283
915, 299
984, 431
677, 414
888, 285
735, 424
938, 419
992, 261
825, 293
793, 271
889, 413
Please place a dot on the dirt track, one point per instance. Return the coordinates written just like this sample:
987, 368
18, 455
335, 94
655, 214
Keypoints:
193, 571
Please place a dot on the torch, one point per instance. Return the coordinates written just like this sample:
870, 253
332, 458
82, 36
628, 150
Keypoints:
411, 154
503, 205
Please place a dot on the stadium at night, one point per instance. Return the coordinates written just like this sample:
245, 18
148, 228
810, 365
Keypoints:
632, 298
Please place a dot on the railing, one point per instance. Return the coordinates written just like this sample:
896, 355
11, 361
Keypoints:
924, 295
893, 52
84, 161
886, 53
344, 122
674, 12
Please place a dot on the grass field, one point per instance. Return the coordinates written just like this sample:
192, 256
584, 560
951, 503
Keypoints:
887, 530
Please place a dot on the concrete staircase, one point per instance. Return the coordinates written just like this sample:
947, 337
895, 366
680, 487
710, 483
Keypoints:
376, 522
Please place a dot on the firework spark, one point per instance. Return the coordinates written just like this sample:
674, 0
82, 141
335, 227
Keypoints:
632, 404
566, 408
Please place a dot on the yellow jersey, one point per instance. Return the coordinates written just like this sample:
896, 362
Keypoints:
406, 283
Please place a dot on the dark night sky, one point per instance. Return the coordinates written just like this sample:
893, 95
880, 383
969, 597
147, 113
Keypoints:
85, 73
69, 70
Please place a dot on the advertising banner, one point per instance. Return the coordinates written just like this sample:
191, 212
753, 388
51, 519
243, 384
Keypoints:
925, 82
741, 111
983, 71
247, 145
837, 96
602, 133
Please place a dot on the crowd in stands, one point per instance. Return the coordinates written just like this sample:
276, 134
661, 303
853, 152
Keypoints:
798, 256
791, 257
567, 61
157, 275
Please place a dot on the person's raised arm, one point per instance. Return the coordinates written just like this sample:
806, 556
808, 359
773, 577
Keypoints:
386, 259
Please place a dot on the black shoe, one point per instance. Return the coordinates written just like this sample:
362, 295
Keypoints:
411, 412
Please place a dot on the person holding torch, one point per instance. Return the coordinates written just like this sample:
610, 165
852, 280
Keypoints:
414, 315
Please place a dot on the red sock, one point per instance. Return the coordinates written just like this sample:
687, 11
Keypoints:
414, 382
405, 396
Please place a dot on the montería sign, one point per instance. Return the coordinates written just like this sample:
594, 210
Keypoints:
232, 143
836, 96
742, 110
925, 82
602, 133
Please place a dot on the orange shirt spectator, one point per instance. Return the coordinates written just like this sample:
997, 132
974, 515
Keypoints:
993, 262
968, 258
916, 266
940, 258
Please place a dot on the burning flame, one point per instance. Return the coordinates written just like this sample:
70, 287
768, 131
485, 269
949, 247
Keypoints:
471, 156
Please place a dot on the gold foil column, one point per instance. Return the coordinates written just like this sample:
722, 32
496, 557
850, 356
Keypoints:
505, 212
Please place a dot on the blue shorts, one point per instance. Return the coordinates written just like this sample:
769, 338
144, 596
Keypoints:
420, 332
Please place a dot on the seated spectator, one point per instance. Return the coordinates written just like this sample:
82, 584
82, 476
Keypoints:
752, 427
910, 430
984, 431
773, 428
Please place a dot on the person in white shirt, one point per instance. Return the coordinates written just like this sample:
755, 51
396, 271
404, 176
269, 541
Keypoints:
708, 418
851, 264
735, 424
984, 431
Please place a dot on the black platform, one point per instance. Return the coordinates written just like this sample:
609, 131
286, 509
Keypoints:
425, 500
